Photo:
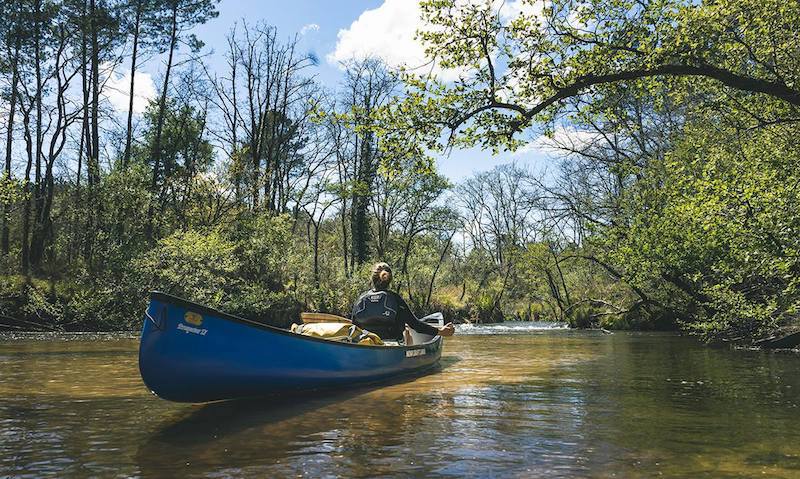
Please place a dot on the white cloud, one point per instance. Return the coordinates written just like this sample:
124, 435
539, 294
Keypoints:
388, 32
116, 89
516, 88
562, 140
310, 27
529, 8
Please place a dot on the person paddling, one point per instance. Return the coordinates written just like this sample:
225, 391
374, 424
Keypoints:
386, 314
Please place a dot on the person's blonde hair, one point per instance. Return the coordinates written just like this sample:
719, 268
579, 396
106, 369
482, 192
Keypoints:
381, 276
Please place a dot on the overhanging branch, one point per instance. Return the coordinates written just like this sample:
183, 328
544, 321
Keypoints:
726, 77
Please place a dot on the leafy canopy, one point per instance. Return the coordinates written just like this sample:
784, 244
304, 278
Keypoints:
517, 69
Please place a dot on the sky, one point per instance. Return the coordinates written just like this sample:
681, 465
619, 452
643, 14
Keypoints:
337, 30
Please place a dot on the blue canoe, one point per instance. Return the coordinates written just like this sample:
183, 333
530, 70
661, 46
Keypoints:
192, 353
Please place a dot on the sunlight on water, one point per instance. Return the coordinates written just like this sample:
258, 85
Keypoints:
535, 402
510, 327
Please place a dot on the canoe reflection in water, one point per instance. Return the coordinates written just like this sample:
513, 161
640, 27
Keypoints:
251, 436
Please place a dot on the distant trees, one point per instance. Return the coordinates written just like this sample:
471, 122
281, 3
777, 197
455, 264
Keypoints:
266, 102
500, 218
367, 86
57, 58
180, 16
408, 204
12, 42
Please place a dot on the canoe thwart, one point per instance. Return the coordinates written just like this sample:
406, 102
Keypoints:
323, 318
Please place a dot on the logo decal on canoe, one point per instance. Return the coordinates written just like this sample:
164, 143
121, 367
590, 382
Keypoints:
189, 329
193, 318
415, 352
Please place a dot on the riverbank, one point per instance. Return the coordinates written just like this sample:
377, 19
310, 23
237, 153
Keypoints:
49, 306
34, 305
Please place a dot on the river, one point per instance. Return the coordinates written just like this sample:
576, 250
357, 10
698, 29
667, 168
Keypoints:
508, 401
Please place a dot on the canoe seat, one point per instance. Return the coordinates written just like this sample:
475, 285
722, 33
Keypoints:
322, 318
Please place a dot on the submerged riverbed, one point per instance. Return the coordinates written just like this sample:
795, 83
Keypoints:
511, 401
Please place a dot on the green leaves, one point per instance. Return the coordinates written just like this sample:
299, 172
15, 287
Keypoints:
723, 227
11, 191
695, 107
520, 70
193, 265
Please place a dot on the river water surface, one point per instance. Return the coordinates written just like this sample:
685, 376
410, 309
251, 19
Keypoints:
508, 401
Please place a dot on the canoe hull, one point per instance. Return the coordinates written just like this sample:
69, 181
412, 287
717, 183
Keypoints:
190, 353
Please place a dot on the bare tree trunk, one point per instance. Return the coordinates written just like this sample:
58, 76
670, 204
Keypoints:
162, 106
555, 293
26, 210
561, 276
315, 246
73, 244
256, 125
436, 270
86, 141
34, 255
345, 241
93, 159
6, 241
134, 56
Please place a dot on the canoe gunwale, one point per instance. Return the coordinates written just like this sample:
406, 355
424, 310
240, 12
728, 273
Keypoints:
187, 304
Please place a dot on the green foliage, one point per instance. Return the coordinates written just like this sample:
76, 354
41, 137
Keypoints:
31, 300
252, 270
127, 191
266, 249
115, 308
518, 68
193, 265
726, 232
270, 269
11, 192
580, 317
483, 308
685, 193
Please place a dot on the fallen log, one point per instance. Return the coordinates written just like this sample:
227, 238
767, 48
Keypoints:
780, 342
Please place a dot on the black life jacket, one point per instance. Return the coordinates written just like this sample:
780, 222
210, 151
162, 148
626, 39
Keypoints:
376, 311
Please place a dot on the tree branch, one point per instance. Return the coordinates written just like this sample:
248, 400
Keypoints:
726, 77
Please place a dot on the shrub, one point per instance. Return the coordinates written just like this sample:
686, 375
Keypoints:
200, 267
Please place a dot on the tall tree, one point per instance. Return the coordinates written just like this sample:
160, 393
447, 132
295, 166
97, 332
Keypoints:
405, 206
500, 210
12, 34
179, 16
140, 24
368, 85
96, 35
266, 102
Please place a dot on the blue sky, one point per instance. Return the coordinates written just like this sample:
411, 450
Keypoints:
336, 29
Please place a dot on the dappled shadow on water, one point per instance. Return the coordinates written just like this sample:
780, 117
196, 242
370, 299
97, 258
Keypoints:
212, 420
255, 432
